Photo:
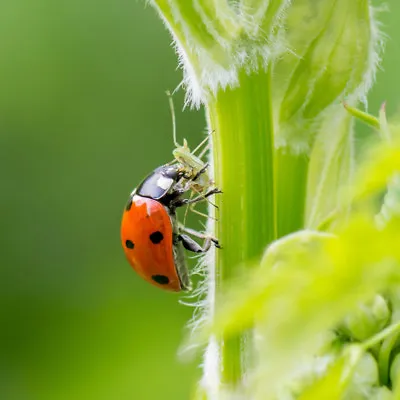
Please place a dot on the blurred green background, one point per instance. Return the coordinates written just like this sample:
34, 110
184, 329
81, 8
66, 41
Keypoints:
83, 118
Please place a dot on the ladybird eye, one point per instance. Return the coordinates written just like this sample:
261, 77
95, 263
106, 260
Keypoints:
129, 244
160, 279
156, 237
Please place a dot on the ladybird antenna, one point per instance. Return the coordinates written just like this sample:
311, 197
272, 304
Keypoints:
172, 108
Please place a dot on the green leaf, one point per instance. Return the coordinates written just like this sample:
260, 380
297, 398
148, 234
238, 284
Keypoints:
217, 40
332, 56
373, 177
363, 116
331, 166
391, 202
336, 383
395, 374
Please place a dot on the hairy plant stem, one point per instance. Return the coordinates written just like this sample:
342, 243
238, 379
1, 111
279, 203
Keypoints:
243, 152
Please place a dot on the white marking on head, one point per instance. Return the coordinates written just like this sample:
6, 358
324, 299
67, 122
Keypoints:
163, 182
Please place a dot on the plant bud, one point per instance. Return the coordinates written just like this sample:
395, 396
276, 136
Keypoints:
367, 320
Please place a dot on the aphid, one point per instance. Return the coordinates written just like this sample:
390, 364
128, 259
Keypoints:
192, 167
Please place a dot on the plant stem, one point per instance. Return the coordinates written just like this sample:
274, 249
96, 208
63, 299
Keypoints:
291, 181
243, 160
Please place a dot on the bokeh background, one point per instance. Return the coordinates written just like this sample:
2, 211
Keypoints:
83, 118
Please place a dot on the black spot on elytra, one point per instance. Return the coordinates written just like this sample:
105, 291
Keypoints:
160, 279
129, 204
129, 244
156, 237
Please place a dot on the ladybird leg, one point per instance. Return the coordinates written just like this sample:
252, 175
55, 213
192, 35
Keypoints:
189, 177
213, 191
193, 205
201, 171
202, 197
211, 203
192, 245
207, 194
192, 209
192, 178
200, 235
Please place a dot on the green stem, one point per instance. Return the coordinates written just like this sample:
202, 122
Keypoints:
386, 333
243, 162
384, 355
291, 182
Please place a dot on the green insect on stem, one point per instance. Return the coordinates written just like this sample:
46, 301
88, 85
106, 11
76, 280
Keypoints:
192, 165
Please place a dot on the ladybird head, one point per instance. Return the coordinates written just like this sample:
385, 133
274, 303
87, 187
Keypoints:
170, 171
159, 182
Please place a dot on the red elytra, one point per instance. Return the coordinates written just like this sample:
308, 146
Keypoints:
147, 240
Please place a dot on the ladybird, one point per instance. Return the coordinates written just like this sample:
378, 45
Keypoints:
151, 236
